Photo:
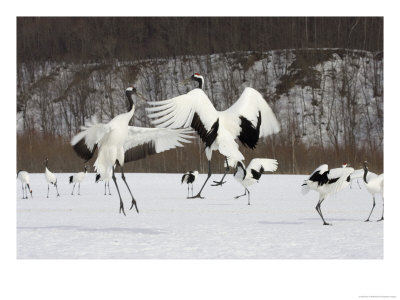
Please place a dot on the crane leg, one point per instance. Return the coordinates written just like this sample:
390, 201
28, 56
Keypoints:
108, 184
23, 193
73, 189
248, 197
245, 193
121, 204
26, 191
208, 177
57, 189
188, 191
383, 207
192, 189
48, 188
221, 182
133, 199
373, 206
318, 208
105, 188
79, 188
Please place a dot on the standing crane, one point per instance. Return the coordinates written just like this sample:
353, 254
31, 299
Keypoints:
327, 182
23, 176
78, 178
50, 178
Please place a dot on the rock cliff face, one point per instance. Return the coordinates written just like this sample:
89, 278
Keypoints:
321, 97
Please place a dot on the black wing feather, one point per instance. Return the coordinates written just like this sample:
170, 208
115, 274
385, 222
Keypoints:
208, 137
83, 151
140, 152
249, 135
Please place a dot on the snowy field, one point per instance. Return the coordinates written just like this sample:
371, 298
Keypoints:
280, 223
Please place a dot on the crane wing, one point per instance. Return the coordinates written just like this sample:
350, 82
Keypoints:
142, 142
320, 170
193, 109
339, 172
85, 142
254, 116
266, 164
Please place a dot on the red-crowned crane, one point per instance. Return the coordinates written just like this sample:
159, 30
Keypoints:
248, 119
23, 176
373, 183
327, 182
189, 178
118, 143
251, 174
77, 179
50, 178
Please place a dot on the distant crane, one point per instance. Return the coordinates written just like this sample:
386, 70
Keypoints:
106, 180
373, 183
118, 143
23, 176
251, 174
50, 178
78, 178
327, 182
249, 119
189, 178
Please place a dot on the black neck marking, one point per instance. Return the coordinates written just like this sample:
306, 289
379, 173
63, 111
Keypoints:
128, 94
365, 175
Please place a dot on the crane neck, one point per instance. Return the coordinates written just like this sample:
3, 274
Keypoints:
365, 175
200, 81
131, 106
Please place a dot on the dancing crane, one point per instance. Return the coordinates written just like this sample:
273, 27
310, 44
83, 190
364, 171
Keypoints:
118, 143
248, 119
251, 174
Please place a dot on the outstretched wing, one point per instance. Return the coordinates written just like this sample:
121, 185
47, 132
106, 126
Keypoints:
318, 171
193, 109
263, 165
85, 142
255, 117
142, 142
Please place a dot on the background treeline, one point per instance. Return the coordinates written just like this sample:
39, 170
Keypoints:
93, 39
329, 101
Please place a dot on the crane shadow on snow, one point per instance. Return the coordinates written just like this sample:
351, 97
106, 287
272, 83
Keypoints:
112, 229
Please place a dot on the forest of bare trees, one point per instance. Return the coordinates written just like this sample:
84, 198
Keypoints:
323, 77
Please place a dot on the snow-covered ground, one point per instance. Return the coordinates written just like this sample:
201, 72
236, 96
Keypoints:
280, 223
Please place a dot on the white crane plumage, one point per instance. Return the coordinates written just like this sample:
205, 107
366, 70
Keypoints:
251, 174
248, 119
23, 176
118, 143
189, 178
50, 178
373, 183
77, 179
327, 182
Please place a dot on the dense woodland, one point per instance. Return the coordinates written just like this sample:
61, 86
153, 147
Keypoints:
69, 69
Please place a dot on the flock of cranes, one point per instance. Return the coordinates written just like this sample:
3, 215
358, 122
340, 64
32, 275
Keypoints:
247, 120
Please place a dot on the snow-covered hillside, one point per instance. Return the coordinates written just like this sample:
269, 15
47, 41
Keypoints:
280, 223
322, 97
